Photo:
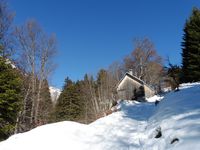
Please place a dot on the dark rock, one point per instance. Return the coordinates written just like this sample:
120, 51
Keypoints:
156, 102
177, 90
174, 140
158, 132
114, 103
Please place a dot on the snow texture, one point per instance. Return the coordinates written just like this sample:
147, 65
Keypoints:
177, 116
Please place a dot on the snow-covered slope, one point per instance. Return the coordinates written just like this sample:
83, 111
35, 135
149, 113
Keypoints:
55, 93
134, 127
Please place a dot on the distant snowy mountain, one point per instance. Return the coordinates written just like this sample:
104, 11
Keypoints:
173, 124
55, 93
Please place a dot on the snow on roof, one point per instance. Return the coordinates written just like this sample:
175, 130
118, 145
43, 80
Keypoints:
134, 78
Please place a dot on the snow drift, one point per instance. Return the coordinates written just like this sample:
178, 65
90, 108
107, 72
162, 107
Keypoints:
177, 116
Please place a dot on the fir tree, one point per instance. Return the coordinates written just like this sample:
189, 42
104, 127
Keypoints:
10, 98
173, 76
46, 105
69, 105
191, 48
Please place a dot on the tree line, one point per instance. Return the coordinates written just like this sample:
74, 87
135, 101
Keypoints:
26, 62
94, 95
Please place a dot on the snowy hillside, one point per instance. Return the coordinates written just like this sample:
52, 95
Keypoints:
55, 93
177, 116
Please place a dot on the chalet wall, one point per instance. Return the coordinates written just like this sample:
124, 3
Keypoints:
148, 92
125, 89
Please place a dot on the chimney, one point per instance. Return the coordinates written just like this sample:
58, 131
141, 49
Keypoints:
130, 71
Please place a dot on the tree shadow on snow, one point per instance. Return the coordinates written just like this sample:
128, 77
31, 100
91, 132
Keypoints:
140, 112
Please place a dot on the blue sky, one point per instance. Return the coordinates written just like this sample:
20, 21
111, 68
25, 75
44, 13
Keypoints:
92, 34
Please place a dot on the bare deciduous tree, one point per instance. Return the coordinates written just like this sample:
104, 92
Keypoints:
144, 61
36, 52
90, 98
116, 71
6, 19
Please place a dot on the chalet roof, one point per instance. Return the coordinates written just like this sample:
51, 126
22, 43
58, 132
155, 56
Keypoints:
136, 79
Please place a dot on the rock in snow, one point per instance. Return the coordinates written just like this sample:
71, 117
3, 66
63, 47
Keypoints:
134, 127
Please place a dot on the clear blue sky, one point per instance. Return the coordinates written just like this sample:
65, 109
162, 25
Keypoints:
92, 34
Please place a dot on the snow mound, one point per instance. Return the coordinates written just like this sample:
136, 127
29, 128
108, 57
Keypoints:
177, 116
155, 98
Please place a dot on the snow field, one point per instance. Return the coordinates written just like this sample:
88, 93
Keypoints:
134, 127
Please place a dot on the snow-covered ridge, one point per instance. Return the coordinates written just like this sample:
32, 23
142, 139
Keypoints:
55, 93
133, 128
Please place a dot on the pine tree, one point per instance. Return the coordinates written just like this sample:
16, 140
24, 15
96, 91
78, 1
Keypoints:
191, 48
46, 105
173, 76
69, 105
10, 98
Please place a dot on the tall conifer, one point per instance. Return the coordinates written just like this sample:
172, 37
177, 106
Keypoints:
191, 48
10, 98
69, 105
46, 105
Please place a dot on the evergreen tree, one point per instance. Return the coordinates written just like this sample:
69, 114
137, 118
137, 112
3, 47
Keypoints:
10, 98
25, 114
10, 82
173, 76
69, 105
191, 48
46, 105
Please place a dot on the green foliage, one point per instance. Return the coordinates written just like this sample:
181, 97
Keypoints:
101, 77
191, 48
46, 105
69, 105
10, 98
174, 73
